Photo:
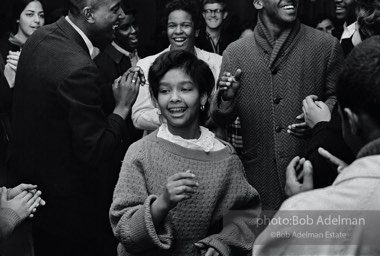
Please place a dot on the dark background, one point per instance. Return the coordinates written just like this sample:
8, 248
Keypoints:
242, 14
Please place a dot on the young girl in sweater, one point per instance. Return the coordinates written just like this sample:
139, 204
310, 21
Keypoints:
181, 191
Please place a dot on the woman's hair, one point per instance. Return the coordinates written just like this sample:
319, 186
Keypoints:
192, 7
196, 69
368, 13
17, 7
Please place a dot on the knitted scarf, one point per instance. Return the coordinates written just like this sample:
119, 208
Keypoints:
276, 48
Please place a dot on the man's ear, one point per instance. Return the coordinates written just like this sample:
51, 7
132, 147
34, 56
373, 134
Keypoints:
353, 120
258, 4
88, 14
225, 14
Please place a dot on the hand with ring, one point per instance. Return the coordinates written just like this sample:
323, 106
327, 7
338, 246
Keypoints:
126, 88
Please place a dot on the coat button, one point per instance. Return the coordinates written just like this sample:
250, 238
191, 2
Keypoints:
277, 100
278, 129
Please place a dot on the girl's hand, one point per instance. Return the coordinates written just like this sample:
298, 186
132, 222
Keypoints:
179, 187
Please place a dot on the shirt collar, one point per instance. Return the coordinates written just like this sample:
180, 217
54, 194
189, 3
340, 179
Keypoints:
123, 51
348, 31
83, 35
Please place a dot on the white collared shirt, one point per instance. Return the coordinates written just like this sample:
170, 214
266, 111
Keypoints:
206, 142
87, 41
133, 56
348, 31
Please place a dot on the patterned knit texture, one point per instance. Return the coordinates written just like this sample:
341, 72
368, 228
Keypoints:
9, 219
277, 76
223, 190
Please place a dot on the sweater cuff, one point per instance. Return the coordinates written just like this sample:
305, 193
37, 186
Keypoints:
145, 233
9, 220
214, 242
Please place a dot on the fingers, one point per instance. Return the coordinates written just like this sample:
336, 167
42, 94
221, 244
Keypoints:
22, 195
311, 99
10, 66
4, 194
237, 74
227, 79
300, 116
23, 187
211, 252
332, 159
291, 169
181, 175
298, 126
321, 105
307, 176
200, 246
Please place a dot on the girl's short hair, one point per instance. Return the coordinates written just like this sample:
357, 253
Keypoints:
196, 69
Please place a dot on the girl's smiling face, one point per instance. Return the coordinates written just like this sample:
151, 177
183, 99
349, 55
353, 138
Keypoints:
179, 100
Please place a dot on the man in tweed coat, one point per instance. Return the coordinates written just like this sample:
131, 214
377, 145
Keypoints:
264, 79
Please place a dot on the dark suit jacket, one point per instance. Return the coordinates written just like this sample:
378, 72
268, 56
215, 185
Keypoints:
61, 134
202, 42
112, 64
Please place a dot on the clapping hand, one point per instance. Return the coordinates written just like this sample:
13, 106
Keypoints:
24, 203
179, 187
229, 85
126, 88
12, 59
298, 170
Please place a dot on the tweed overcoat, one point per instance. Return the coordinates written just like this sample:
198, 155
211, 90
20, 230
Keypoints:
277, 76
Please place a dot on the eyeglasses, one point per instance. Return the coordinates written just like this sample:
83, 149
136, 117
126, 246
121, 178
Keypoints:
216, 11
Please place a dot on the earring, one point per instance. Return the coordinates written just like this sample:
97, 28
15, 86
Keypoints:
202, 107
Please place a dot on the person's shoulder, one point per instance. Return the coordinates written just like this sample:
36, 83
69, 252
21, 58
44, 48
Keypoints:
317, 37
150, 59
238, 46
316, 199
209, 57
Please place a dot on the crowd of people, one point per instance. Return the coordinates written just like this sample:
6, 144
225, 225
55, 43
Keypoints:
220, 144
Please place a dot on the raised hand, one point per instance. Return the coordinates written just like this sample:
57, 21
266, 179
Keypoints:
12, 59
229, 85
315, 111
179, 187
297, 170
126, 89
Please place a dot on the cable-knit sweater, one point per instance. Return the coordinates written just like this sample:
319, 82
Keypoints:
221, 214
276, 76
